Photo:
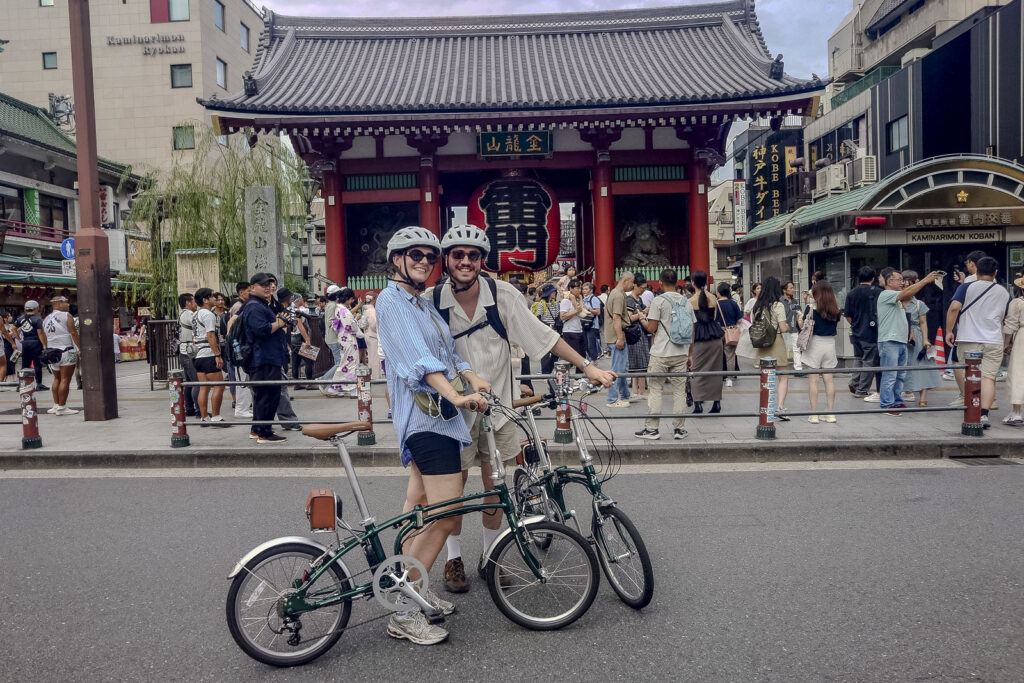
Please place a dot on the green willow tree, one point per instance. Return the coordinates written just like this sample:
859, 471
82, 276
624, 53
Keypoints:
199, 204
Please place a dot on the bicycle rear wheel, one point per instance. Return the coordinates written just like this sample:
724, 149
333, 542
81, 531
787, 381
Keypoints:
571, 577
255, 607
623, 557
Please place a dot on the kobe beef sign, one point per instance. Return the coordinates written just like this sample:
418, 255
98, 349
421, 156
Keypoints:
524, 143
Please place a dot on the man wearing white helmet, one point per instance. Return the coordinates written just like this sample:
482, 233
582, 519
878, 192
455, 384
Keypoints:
330, 334
485, 342
422, 362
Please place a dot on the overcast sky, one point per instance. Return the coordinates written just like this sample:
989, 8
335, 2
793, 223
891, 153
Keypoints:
799, 29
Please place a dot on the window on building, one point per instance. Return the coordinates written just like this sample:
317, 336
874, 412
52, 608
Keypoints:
184, 137
177, 10
898, 134
244, 36
222, 73
10, 204
218, 14
181, 75
46, 3
49, 60
53, 211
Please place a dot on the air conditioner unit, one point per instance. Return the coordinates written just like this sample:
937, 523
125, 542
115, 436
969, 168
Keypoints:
830, 180
864, 171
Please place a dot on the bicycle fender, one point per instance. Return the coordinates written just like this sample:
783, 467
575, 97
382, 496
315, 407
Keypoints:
508, 530
313, 545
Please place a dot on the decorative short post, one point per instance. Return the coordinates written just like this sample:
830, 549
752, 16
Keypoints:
766, 416
365, 406
179, 435
563, 430
29, 415
972, 396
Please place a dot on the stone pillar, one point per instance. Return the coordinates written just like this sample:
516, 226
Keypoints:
604, 221
334, 223
700, 247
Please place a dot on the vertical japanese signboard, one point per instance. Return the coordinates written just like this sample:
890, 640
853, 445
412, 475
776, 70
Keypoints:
739, 207
769, 166
522, 221
262, 238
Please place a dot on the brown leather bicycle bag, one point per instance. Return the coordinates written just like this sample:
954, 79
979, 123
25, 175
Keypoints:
321, 508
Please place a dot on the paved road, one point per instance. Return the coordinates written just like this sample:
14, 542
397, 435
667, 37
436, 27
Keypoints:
856, 572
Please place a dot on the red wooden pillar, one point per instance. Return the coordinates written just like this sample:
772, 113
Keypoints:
604, 221
430, 212
334, 223
700, 247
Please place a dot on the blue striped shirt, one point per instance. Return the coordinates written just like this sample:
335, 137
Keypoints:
415, 346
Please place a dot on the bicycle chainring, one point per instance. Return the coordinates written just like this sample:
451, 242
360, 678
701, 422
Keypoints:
390, 574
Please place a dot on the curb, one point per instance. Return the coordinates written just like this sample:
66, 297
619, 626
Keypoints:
632, 454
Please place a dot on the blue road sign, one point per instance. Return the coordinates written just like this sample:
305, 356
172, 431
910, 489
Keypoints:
67, 248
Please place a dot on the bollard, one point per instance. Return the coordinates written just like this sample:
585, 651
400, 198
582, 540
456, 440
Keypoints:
179, 435
563, 430
766, 417
365, 406
29, 415
972, 396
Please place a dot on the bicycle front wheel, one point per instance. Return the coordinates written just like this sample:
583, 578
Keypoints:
571, 577
624, 557
256, 613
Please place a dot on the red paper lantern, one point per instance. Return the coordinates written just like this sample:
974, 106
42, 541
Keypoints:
522, 221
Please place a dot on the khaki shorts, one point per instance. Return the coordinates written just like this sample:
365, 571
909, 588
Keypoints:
504, 439
991, 356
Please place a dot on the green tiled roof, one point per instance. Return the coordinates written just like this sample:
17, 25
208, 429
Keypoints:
32, 124
836, 204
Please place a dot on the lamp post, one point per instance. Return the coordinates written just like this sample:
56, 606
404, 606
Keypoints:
310, 187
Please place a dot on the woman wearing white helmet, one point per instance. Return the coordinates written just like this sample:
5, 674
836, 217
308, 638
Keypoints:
432, 433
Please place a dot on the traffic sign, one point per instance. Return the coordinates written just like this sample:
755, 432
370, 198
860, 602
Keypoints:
67, 267
67, 248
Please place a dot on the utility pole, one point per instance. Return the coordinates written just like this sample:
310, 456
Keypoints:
92, 252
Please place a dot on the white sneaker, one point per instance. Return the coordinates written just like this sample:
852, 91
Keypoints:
64, 410
416, 628
948, 376
957, 402
873, 397
447, 608
1014, 420
246, 415
53, 409
1001, 376
728, 381
621, 403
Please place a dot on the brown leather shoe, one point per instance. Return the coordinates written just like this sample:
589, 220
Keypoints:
455, 576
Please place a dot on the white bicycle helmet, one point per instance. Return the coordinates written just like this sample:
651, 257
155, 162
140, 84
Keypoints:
413, 236
465, 236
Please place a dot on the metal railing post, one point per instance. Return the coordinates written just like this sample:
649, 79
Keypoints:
29, 415
972, 396
179, 435
766, 411
563, 430
365, 405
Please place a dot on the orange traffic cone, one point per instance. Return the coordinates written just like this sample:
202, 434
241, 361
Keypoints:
940, 347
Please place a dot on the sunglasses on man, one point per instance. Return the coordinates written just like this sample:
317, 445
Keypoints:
416, 255
459, 254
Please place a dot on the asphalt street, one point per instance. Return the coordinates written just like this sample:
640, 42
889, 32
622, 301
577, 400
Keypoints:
859, 573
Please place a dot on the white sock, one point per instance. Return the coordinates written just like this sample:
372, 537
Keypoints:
489, 536
454, 546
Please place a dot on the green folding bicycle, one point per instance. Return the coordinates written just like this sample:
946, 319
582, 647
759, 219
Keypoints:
539, 489
290, 599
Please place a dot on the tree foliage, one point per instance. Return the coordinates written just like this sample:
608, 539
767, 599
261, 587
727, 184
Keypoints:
199, 204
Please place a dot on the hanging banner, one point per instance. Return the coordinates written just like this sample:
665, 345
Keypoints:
522, 221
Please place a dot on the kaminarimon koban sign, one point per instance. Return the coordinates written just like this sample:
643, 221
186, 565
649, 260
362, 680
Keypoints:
522, 221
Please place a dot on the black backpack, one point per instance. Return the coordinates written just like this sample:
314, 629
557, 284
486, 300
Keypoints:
493, 319
236, 348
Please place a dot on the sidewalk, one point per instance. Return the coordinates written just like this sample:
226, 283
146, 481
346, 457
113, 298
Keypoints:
141, 436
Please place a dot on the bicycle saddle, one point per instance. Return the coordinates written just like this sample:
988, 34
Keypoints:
326, 431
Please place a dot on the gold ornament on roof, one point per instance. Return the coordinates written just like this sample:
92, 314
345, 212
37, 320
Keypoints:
961, 196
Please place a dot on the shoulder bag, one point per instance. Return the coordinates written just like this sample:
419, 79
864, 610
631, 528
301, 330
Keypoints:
803, 340
732, 332
435, 406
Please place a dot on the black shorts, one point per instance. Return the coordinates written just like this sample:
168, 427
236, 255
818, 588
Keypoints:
207, 365
435, 453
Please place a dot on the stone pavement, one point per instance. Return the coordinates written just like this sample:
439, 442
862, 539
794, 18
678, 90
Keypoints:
141, 436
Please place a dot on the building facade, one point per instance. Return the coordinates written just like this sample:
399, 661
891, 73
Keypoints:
152, 59
612, 118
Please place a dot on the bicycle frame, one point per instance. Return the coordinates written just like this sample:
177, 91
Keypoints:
417, 518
